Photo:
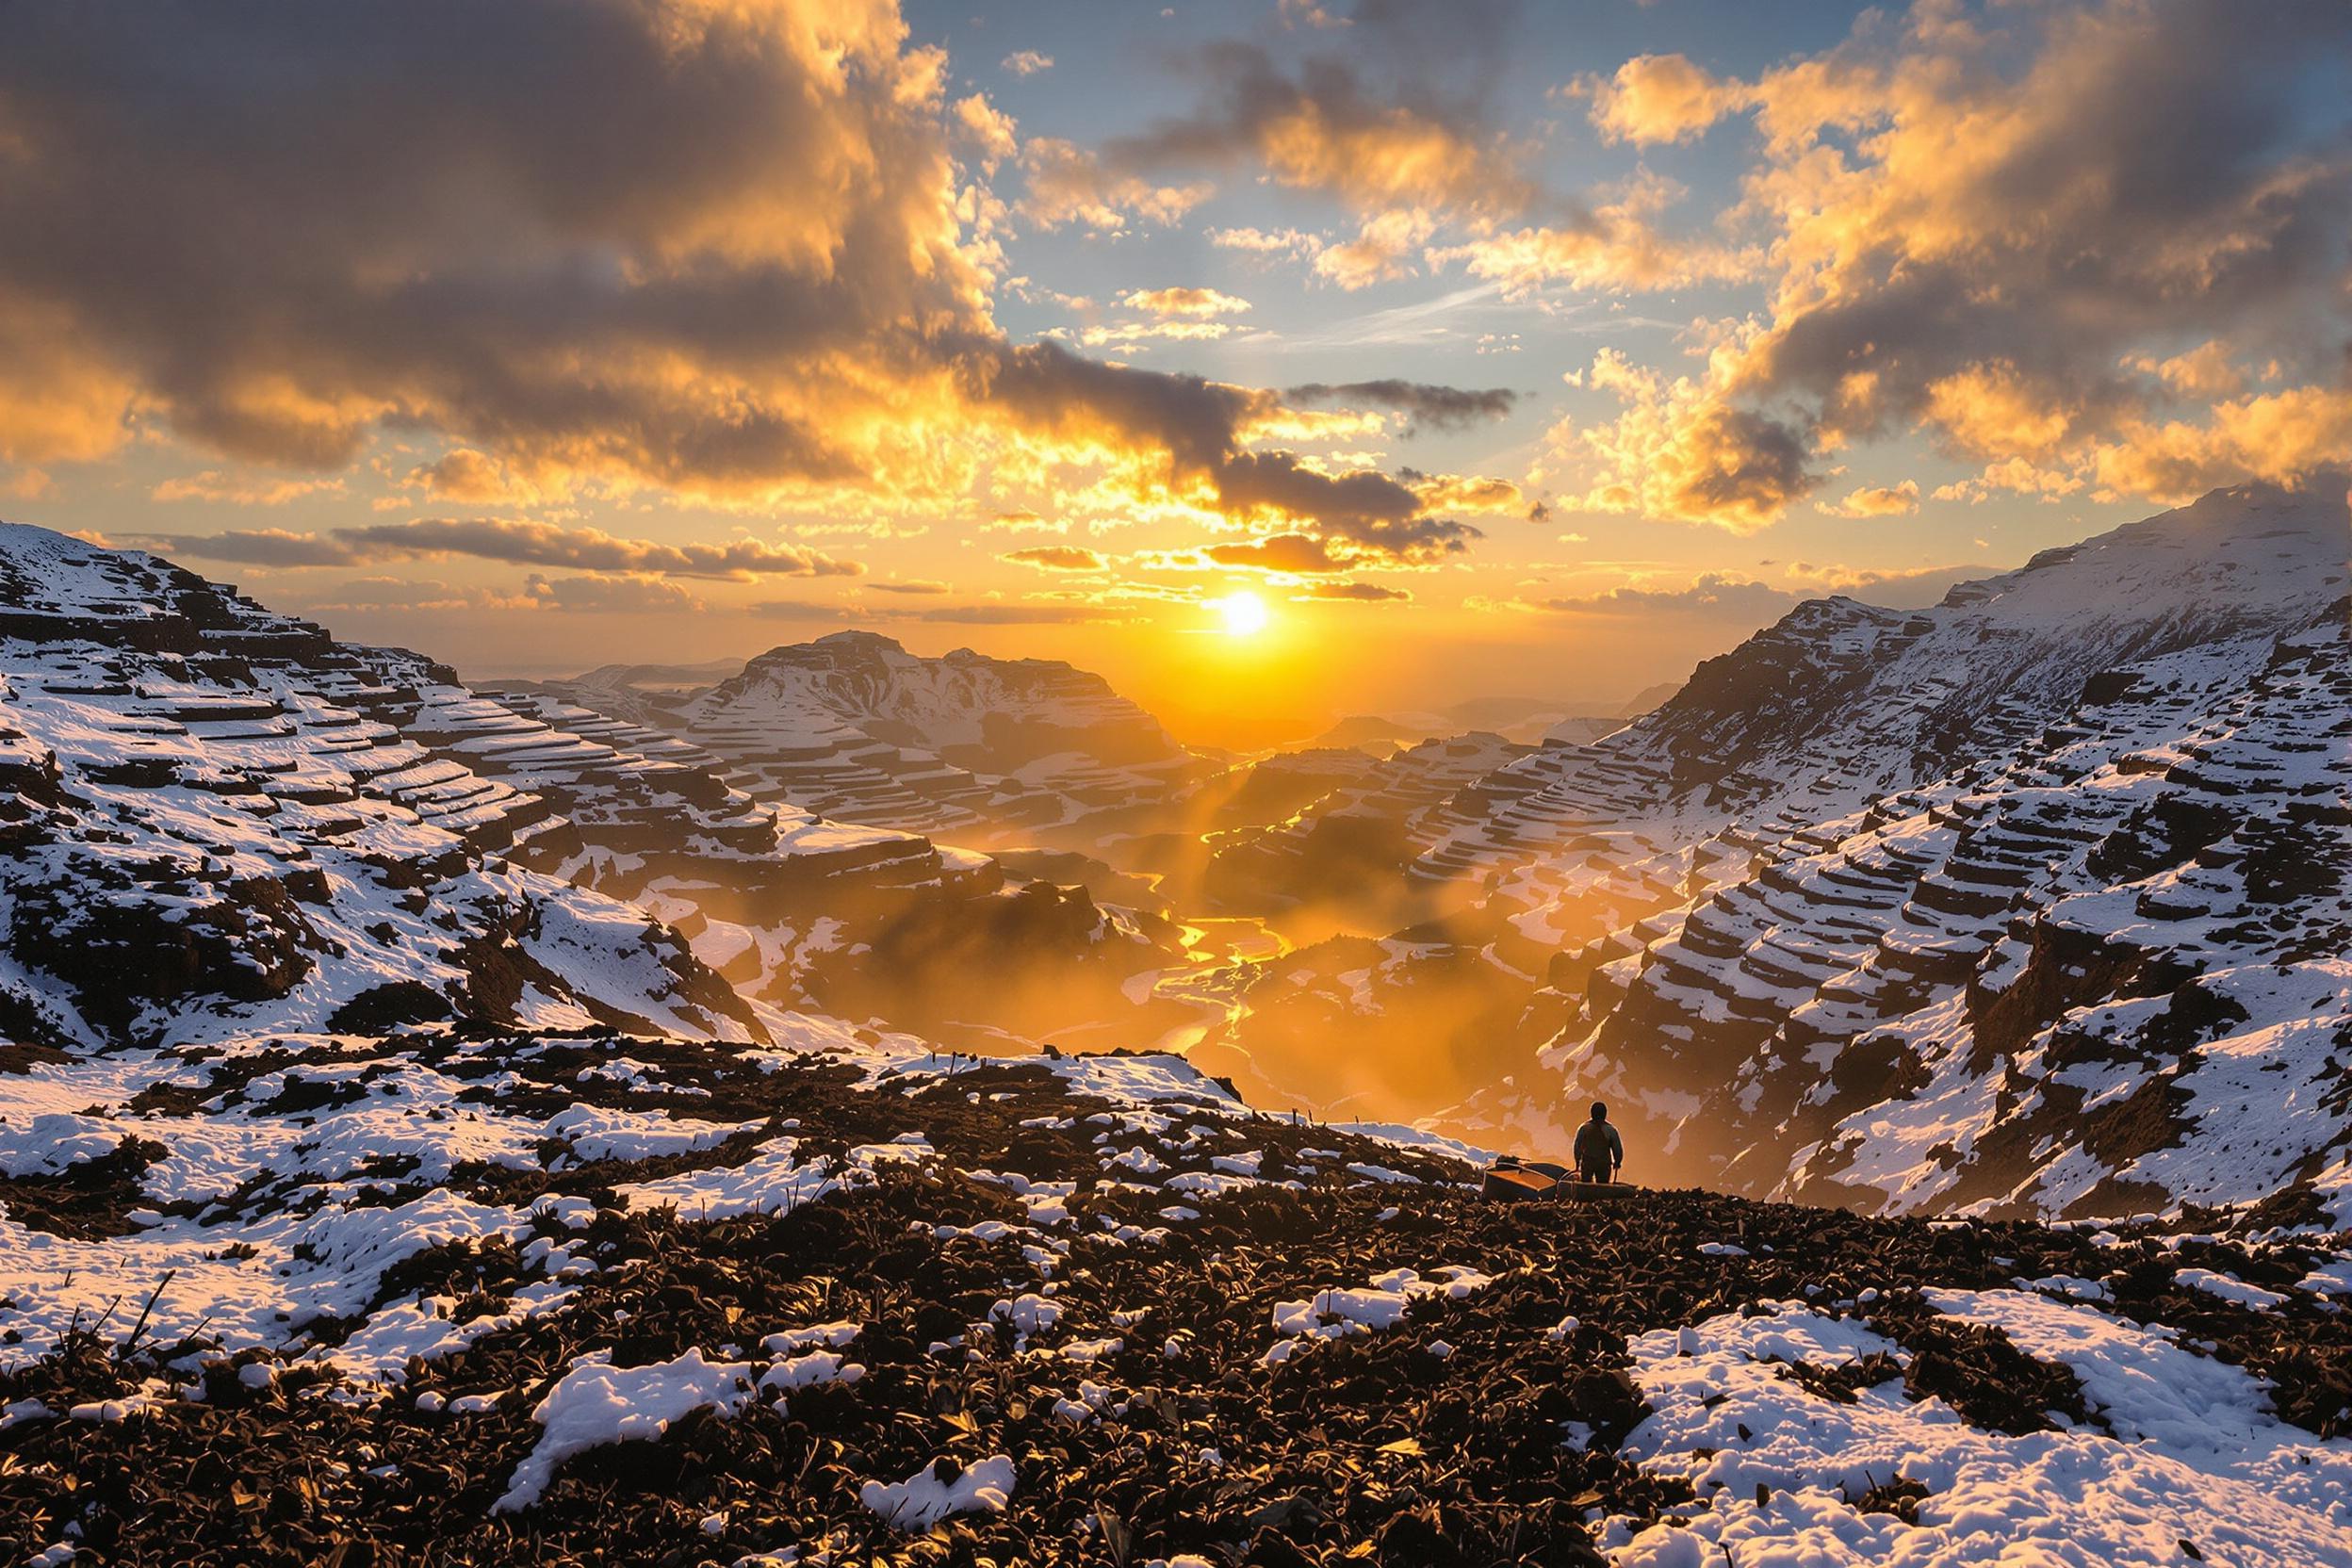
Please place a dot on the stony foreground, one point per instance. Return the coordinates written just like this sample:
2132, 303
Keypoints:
593, 1299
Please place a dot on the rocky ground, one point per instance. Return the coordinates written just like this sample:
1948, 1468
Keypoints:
583, 1299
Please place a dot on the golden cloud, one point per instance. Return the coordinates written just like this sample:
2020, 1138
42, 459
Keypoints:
1058, 557
1656, 98
1877, 500
1191, 304
523, 543
726, 253
2000, 236
1067, 184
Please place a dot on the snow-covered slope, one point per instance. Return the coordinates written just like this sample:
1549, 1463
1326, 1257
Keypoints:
2108, 970
221, 820
853, 728
218, 820
2034, 899
1843, 702
506, 1299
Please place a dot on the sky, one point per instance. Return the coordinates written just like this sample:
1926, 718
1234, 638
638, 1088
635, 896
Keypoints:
1277, 359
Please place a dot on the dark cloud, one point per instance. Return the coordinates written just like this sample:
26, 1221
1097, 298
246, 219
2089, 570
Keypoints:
1298, 554
267, 546
713, 249
1398, 118
1360, 593
1988, 230
1199, 423
522, 543
284, 224
1424, 405
1749, 464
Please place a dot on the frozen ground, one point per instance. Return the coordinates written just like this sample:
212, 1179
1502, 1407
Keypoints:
533, 1299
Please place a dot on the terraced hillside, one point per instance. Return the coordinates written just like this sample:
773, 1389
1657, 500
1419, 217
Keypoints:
853, 728
1883, 906
219, 819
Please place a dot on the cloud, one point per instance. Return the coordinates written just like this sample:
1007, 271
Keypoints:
988, 130
469, 477
2208, 371
725, 252
1426, 406
1130, 333
2290, 434
1191, 304
2014, 475
1295, 554
1058, 557
371, 594
1383, 250
2000, 229
1394, 117
1356, 593
1710, 594
1656, 98
213, 486
1198, 424
1023, 522
604, 596
1023, 615
670, 243
1682, 450
571, 594
1262, 242
914, 585
949, 614
1615, 247
1877, 500
1027, 62
1471, 493
522, 543
265, 547
1065, 184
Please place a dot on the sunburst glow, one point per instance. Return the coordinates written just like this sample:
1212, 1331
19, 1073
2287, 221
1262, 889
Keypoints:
1243, 613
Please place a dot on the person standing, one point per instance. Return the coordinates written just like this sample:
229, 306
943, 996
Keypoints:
1600, 1151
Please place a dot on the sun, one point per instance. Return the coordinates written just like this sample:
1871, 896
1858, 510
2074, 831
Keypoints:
1244, 614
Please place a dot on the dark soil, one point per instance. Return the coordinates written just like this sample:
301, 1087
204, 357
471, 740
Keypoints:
1367, 1448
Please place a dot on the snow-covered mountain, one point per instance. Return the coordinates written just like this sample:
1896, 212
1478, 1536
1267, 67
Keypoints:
2108, 970
221, 820
853, 728
2033, 898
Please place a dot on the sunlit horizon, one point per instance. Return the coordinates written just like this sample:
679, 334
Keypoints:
1493, 356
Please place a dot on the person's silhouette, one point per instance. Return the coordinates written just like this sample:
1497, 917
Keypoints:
1600, 1151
